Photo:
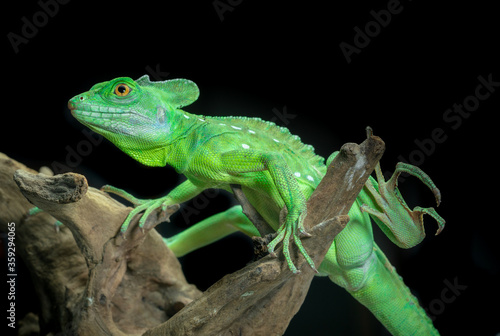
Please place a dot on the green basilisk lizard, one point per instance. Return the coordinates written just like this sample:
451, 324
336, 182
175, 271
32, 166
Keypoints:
275, 171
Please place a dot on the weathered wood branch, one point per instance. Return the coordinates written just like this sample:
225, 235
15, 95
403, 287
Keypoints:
90, 281
117, 286
260, 223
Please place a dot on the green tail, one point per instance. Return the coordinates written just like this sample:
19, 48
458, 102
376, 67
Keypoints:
391, 301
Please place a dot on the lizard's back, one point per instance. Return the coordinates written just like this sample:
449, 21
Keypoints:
266, 136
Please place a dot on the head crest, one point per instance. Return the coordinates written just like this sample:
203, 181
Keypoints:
180, 92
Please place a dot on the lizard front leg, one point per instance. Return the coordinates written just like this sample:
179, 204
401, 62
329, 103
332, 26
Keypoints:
239, 162
182, 193
383, 201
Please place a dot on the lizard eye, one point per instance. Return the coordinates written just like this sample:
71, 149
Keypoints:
122, 90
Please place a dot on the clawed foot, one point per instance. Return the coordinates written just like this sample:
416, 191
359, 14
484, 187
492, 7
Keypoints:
292, 227
140, 205
403, 226
37, 210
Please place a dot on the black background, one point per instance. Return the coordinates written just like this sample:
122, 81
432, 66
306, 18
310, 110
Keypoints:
259, 58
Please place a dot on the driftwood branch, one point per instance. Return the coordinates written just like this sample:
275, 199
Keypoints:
135, 286
90, 281
260, 223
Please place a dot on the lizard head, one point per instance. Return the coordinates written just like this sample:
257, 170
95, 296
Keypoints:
138, 116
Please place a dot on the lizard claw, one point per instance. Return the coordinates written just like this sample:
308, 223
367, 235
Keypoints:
284, 233
304, 234
34, 211
403, 226
37, 210
148, 206
437, 195
57, 226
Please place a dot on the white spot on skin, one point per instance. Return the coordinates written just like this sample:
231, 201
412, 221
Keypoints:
222, 124
185, 116
276, 140
310, 178
245, 146
250, 131
236, 127
297, 174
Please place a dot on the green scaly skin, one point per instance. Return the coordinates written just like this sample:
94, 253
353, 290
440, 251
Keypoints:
276, 170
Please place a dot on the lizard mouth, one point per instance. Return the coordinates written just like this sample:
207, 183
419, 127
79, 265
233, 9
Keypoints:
107, 118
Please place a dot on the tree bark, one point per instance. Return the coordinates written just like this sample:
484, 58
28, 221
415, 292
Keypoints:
90, 281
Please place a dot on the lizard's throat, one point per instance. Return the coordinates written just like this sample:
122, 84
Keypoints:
133, 133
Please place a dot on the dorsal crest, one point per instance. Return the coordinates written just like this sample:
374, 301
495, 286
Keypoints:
180, 92
273, 135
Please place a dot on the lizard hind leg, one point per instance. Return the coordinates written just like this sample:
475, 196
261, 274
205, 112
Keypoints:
210, 230
356, 263
383, 201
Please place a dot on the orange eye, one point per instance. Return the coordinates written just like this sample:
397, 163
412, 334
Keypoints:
122, 90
